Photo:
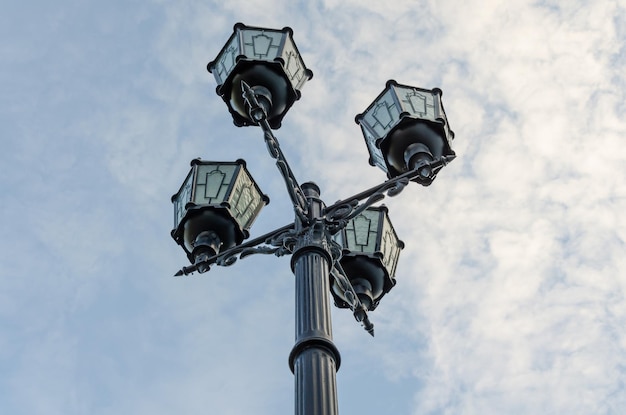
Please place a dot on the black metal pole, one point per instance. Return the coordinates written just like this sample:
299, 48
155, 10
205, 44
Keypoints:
314, 358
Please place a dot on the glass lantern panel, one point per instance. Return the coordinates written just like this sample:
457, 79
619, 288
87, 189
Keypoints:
212, 183
361, 232
376, 154
245, 200
294, 66
417, 102
260, 44
182, 198
226, 61
389, 246
383, 115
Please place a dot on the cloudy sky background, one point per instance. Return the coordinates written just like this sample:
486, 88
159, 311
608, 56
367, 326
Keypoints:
511, 290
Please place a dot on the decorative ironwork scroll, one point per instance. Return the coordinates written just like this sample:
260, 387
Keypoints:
278, 242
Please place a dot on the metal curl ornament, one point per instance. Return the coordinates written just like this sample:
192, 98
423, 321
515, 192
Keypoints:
281, 241
358, 310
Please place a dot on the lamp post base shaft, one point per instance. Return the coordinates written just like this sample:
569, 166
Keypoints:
314, 359
315, 383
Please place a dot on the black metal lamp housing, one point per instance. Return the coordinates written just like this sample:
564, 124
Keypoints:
267, 60
405, 129
371, 250
215, 207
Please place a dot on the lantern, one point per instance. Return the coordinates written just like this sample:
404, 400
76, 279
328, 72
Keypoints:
267, 60
215, 207
371, 250
406, 129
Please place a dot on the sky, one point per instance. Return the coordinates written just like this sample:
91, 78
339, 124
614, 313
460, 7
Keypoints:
510, 295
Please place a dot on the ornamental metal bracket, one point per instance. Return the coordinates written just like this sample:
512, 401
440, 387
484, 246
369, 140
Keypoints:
338, 215
278, 242
358, 310
258, 113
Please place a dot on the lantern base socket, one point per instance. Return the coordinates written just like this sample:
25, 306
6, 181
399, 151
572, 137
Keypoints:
363, 290
206, 245
258, 101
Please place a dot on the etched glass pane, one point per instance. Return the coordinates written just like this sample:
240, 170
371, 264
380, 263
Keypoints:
261, 44
212, 183
226, 61
245, 200
383, 115
361, 232
375, 154
416, 102
389, 247
294, 66
183, 197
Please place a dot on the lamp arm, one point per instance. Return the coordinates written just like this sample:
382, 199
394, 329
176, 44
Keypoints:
344, 210
258, 113
278, 242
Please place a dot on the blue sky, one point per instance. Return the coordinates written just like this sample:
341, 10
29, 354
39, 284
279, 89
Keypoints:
511, 288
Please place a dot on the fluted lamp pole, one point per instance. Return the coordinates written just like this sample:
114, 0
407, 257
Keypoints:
347, 251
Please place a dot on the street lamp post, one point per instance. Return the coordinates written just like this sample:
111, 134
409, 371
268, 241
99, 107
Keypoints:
348, 250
